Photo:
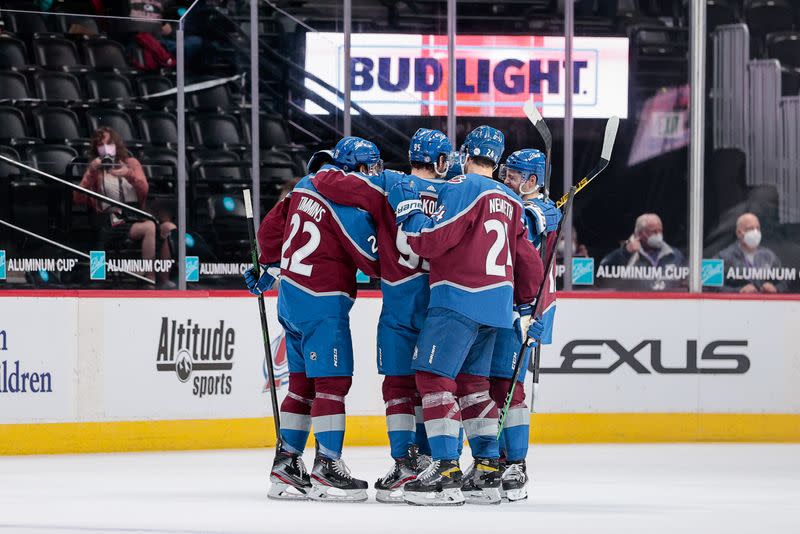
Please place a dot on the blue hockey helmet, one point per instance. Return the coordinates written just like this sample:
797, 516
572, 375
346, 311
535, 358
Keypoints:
427, 145
529, 167
484, 142
350, 152
318, 159
455, 166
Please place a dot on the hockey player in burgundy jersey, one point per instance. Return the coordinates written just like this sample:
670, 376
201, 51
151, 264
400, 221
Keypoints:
404, 284
318, 246
523, 172
482, 263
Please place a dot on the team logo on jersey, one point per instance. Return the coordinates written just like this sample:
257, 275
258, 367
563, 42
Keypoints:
457, 179
280, 363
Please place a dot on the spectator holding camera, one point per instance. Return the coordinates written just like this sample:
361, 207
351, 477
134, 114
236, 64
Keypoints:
114, 173
751, 263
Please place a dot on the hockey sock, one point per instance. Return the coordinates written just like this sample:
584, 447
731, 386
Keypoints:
479, 414
441, 413
421, 436
327, 414
399, 393
296, 413
516, 430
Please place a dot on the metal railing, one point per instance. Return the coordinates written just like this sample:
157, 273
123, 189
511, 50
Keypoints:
87, 192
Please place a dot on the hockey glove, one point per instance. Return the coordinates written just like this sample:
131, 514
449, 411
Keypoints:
405, 201
269, 275
530, 327
549, 212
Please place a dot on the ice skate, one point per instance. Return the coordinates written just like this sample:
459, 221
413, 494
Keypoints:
289, 478
331, 481
482, 483
389, 489
514, 482
438, 485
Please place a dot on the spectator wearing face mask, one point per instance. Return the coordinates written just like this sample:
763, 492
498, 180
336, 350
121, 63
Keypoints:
113, 172
750, 261
646, 248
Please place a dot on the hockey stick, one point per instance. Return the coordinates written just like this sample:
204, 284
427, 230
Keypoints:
605, 157
538, 122
544, 131
526, 342
248, 209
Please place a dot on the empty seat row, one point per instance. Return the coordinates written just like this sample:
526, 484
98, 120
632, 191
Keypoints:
110, 88
57, 53
212, 130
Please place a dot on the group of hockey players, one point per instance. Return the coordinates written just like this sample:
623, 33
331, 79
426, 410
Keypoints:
458, 256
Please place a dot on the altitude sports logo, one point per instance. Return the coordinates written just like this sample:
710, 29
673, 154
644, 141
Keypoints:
196, 353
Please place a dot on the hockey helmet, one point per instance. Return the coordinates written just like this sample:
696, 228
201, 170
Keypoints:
427, 145
484, 142
529, 164
351, 152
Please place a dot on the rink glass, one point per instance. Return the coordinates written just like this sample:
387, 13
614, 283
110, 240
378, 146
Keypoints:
399, 76
752, 157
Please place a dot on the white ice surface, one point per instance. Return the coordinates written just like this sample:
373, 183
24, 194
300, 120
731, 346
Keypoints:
594, 489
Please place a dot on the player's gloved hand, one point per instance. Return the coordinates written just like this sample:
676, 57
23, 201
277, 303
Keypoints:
405, 201
549, 212
530, 327
269, 275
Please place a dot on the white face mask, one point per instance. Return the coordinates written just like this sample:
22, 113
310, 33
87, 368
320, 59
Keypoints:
107, 150
655, 241
752, 238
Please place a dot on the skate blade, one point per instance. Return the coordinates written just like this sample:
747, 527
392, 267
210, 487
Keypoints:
286, 492
519, 494
389, 496
483, 496
321, 493
448, 497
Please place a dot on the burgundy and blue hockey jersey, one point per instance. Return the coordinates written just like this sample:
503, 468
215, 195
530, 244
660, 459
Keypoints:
547, 306
404, 275
320, 245
481, 259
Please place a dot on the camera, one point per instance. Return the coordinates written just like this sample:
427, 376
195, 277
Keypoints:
107, 162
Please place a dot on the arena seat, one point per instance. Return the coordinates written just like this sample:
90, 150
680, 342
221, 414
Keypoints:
13, 88
785, 47
15, 130
59, 125
217, 130
105, 54
158, 127
52, 159
25, 24
13, 54
766, 16
111, 88
217, 98
59, 87
718, 13
56, 53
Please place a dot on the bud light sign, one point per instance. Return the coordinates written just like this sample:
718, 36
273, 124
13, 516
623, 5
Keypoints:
406, 74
